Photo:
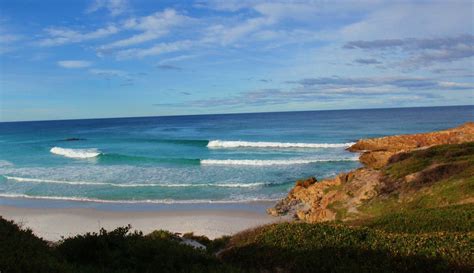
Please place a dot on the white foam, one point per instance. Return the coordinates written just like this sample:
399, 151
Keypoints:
248, 162
75, 153
224, 185
249, 144
5, 163
147, 201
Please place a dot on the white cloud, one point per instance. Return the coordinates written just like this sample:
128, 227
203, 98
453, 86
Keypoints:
74, 64
405, 19
456, 85
227, 5
266, 25
7, 41
108, 72
153, 26
60, 36
115, 7
155, 50
178, 59
297, 11
341, 89
8, 38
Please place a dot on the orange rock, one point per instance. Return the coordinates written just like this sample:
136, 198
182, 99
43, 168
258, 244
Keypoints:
461, 134
314, 201
377, 151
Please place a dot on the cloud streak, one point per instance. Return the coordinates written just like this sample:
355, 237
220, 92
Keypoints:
114, 7
169, 67
74, 64
367, 61
333, 89
426, 51
62, 36
151, 27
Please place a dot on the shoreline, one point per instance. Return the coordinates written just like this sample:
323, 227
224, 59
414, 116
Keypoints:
52, 219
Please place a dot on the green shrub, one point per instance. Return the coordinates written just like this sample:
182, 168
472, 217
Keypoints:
123, 251
22, 251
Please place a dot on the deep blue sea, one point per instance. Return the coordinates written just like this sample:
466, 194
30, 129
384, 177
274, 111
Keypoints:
218, 158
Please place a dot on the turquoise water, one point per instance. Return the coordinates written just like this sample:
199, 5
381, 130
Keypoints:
209, 158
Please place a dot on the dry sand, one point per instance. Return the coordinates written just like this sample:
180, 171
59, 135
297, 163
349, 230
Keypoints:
51, 223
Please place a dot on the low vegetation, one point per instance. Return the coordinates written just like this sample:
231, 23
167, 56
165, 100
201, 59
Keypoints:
432, 178
116, 251
458, 218
415, 241
404, 164
302, 247
22, 251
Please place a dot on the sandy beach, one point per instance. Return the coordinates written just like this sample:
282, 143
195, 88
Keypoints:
51, 219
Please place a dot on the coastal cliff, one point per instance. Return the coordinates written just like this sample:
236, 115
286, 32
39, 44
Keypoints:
423, 170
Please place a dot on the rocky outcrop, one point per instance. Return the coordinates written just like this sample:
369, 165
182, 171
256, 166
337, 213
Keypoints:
377, 151
330, 199
335, 198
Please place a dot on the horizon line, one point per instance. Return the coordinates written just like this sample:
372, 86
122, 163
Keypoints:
238, 113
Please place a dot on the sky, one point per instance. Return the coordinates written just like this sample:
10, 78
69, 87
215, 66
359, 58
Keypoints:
122, 58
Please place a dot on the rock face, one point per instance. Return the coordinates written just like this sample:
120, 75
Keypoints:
377, 151
332, 199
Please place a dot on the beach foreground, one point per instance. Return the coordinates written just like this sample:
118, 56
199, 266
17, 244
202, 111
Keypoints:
211, 220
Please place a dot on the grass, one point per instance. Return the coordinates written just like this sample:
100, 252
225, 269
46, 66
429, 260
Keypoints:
416, 161
302, 247
458, 218
445, 177
338, 208
332, 188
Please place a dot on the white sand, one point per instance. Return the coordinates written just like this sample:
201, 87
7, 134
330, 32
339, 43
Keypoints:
52, 223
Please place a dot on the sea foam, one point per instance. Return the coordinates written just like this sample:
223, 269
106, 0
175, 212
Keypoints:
5, 163
261, 144
75, 153
144, 201
131, 185
248, 162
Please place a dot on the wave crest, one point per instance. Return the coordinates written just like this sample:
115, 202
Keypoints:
248, 162
145, 201
261, 144
75, 153
130, 185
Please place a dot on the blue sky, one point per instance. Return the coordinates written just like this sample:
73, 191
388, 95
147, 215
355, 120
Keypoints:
117, 58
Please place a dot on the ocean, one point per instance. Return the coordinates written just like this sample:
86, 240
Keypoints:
193, 159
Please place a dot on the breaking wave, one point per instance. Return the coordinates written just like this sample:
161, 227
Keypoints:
249, 144
145, 201
75, 153
131, 185
248, 162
